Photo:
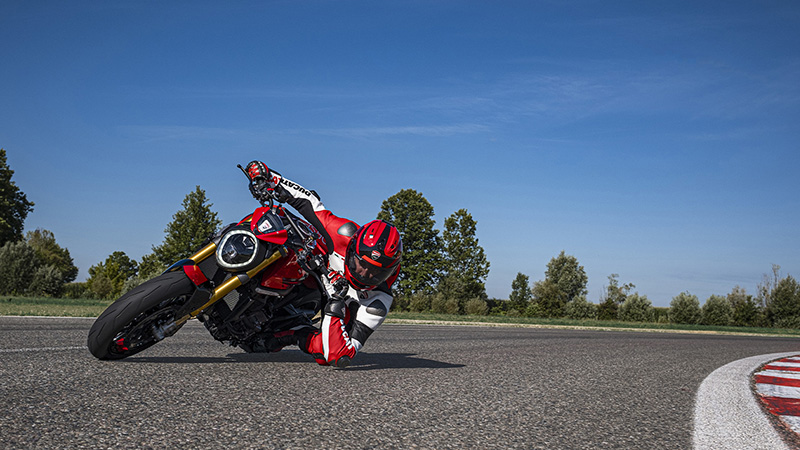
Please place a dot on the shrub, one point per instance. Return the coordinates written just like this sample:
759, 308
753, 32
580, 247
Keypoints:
451, 306
18, 264
716, 311
420, 302
580, 309
636, 308
439, 303
76, 290
47, 281
684, 308
476, 307
607, 310
745, 310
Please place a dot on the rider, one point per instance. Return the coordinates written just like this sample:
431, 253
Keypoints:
363, 262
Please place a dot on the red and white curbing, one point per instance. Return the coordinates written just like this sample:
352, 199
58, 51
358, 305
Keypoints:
778, 386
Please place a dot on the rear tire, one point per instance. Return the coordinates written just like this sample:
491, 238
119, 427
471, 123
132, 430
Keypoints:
125, 327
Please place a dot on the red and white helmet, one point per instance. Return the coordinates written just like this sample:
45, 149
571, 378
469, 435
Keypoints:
373, 255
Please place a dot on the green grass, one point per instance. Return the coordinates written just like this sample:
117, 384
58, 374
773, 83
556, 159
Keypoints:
562, 322
45, 306
25, 306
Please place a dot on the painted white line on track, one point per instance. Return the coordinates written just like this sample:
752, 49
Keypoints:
726, 414
42, 349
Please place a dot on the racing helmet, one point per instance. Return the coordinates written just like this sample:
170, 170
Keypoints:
373, 255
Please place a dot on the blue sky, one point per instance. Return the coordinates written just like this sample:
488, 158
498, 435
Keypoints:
656, 140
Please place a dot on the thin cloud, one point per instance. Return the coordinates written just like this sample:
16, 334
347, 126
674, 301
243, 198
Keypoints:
430, 131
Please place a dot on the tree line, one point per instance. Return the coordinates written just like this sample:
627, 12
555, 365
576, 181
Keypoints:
442, 272
563, 294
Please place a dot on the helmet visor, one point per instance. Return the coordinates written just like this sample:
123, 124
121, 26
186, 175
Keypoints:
368, 272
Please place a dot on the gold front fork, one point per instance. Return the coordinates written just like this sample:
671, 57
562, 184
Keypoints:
204, 253
231, 283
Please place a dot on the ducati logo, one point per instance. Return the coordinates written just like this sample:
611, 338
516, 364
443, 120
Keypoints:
375, 255
264, 226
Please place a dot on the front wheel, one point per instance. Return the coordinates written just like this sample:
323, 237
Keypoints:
135, 321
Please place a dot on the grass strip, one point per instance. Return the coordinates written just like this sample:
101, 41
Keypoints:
563, 323
46, 306
62, 307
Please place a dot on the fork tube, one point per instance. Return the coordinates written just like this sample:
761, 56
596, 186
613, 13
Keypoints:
204, 252
234, 282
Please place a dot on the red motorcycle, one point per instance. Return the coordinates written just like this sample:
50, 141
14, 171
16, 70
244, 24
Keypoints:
255, 279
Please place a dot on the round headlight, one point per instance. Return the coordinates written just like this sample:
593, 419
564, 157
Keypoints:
239, 250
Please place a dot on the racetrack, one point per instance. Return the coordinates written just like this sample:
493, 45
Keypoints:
413, 386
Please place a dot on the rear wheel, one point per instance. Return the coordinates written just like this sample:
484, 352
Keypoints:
135, 321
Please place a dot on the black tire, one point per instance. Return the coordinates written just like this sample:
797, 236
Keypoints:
124, 328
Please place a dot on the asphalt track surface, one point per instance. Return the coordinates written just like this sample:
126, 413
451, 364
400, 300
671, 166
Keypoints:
413, 386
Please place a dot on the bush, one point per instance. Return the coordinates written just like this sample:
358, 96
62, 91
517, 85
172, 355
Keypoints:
745, 311
438, 303
684, 308
513, 313
476, 307
716, 311
451, 306
420, 302
47, 281
580, 309
18, 264
636, 308
400, 303
608, 310
76, 290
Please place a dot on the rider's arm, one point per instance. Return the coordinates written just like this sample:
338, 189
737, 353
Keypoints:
307, 203
371, 314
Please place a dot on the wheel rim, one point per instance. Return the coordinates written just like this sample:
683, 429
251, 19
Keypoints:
138, 334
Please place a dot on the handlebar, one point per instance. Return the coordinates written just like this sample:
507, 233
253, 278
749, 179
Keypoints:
260, 191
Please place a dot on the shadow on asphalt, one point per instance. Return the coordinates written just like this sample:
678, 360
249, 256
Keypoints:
375, 361
364, 361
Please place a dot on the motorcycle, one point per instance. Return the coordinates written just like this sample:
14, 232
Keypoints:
254, 280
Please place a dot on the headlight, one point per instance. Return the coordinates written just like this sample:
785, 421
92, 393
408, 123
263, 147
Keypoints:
240, 250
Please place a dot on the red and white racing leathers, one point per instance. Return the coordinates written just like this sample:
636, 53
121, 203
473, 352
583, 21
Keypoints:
346, 327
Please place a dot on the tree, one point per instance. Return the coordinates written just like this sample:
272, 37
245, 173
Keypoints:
568, 275
745, 310
465, 263
684, 308
190, 227
548, 299
412, 214
768, 285
784, 307
521, 294
716, 311
50, 253
613, 297
107, 278
14, 205
636, 308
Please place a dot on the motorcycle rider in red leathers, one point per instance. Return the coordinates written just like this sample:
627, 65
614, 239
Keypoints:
363, 262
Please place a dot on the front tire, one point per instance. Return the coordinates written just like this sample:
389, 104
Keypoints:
126, 327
